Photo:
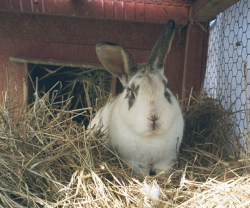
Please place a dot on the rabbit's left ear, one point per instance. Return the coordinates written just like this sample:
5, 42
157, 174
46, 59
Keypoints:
162, 47
117, 60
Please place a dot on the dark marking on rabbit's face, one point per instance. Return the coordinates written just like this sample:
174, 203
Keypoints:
134, 88
130, 96
168, 96
131, 93
167, 93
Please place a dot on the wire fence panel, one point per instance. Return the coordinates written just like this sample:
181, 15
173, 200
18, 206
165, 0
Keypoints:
228, 64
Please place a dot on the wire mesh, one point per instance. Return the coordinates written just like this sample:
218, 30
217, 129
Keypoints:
228, 64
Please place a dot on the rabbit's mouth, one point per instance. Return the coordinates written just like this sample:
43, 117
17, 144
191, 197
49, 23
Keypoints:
153, 131
155, 125
154, 128
154, 122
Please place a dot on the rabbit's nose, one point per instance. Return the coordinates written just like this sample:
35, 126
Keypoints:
153, 114
154, 117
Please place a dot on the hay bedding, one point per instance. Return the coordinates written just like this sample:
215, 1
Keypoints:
46, 161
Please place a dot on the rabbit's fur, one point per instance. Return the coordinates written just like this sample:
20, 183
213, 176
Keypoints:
144, 124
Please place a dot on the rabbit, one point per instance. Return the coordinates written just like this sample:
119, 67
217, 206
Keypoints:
144, 124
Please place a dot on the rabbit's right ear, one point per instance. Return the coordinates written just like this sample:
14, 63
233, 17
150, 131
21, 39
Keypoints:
117, 60
162, 47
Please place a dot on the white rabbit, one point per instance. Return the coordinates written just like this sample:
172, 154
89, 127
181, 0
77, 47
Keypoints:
144, 123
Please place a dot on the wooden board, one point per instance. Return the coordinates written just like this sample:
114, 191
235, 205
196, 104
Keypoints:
206, 10
137, 11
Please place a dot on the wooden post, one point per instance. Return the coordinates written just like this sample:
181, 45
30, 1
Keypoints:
195, 58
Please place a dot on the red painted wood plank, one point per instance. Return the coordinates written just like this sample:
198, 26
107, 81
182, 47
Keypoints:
206, 10
109, 12
160, 13
5, 5
110, 9
140, 12
151, 10
37, 6
95, 8
14, 5
129, 10
25, 7
78, 30
119, 10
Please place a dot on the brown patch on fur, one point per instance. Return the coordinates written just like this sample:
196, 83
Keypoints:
167, 94
130, 97
130, 103
132, 92
134, 88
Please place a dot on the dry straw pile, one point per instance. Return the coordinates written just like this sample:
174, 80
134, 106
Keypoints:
46, 161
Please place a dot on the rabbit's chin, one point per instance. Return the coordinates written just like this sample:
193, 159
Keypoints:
149, 133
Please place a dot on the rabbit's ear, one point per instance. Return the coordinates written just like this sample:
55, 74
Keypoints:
162, 47
117, 60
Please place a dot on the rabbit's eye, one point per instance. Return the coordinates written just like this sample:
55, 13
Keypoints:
168, 95
165, 83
